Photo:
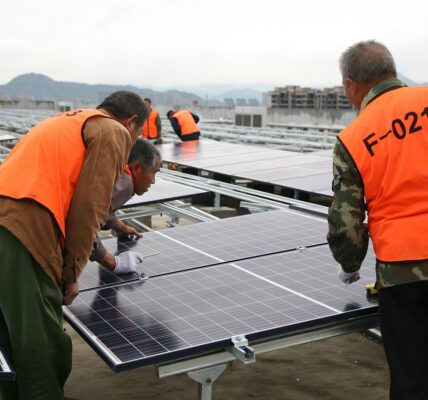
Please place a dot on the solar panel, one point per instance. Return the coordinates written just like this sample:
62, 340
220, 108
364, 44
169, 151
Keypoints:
187, 151
164, 191
302, 172
236, 158
6, 371
299, 270
310, 183
94, 275
252, 235
160, 255
192, 312
197, 245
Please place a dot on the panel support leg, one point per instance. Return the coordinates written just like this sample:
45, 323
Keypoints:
205, 378
217, 201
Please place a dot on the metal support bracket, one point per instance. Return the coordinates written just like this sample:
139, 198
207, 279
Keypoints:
217, 201
241, 350
205, 378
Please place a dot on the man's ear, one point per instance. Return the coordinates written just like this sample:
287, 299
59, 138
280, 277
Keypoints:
136, 167
350, 85
133, 119
128, 122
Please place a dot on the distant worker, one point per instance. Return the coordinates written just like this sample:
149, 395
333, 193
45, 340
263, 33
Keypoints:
184, 124
153, 126
55, 189
379, 161
143, 164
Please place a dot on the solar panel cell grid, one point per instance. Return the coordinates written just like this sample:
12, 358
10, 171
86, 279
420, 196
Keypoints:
252, 235
163, 317
212, 242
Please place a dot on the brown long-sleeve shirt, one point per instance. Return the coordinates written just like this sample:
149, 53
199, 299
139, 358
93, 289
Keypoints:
108, 144
122, 192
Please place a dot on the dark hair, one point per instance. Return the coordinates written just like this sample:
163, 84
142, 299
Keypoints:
169, 113
367, 62
124, 104
147, 99
145, 153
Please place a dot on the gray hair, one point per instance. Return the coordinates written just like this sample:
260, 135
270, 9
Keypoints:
367, 62
145, 153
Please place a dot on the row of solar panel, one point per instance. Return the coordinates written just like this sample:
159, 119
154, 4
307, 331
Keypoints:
310, 172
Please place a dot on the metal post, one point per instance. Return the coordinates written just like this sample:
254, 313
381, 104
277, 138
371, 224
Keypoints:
217, 201
205, 378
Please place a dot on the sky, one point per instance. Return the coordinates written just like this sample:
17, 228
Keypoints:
185, 43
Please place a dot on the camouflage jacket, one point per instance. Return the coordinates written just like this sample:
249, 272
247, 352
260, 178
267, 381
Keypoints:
348, 235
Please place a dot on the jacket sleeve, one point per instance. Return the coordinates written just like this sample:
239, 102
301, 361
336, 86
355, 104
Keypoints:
107, 148
123, 190
98, 250
347, 233
175, 126
195, 117
158, 125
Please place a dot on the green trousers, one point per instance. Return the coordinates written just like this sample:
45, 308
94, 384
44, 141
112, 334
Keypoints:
31, 326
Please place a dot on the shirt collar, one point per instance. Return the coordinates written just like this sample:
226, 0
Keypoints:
380, 88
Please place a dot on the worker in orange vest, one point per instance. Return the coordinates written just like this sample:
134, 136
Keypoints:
143, 163
184, 124
379, 165
55, 189
152, 127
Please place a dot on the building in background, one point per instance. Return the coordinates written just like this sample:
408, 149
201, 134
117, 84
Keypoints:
297, 97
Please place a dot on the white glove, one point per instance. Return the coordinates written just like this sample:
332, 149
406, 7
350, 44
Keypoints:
348, 277
127, 262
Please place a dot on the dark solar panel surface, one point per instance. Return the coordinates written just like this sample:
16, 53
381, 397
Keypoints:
252, 235
208, 243
160, 255
195, 311
310, 183
281, 168
161, 191
314, 273
238, 158
181, 152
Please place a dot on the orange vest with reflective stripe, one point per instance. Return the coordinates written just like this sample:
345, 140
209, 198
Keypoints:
45, 164
186, 122
388, 142
150, 129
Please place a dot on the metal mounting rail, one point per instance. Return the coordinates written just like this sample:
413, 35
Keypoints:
242, 193
204, 366
177, 208
187, 211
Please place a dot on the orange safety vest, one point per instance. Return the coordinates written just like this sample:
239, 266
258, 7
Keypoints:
150, 129
388, 142
45, 164
186, 122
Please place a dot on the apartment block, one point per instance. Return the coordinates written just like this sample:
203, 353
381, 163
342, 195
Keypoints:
296, 97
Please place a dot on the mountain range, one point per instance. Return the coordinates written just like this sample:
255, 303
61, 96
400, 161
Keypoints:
41, 87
